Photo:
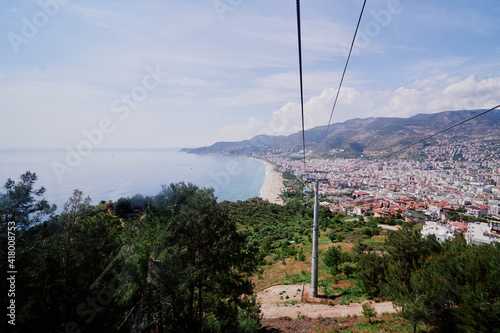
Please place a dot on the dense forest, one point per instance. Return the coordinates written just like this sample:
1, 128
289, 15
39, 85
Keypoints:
182, 262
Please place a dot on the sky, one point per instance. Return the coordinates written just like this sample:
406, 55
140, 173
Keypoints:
170, 73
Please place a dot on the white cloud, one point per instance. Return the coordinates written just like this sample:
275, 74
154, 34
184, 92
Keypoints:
435, 80
426, 96
458, 94
287, 119
436, 66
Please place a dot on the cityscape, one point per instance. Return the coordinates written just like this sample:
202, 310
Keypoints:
452, 181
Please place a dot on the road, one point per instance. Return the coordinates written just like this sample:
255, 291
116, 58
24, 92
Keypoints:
390, 227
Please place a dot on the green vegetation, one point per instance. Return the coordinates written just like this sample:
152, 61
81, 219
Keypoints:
276, 230
452, 286
369, 312
19, 203
384, 323
181, 262
294, 188
175, 263
333, 258
187, 260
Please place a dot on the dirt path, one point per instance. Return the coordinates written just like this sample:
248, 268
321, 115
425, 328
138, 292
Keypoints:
275, 304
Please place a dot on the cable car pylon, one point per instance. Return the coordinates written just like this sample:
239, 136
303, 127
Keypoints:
315, 259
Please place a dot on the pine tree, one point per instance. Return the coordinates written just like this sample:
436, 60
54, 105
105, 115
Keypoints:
187, 266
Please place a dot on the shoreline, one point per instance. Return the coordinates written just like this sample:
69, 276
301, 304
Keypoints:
273, 184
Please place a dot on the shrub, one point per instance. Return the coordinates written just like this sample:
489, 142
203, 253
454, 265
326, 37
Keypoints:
332, 258
302, 257
348, 269
248, 324
367, 231
369, 311
123, 207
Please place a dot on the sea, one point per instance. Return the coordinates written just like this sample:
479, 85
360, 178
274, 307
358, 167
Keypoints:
112, 174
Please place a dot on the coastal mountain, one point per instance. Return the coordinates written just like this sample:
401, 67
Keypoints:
370, 136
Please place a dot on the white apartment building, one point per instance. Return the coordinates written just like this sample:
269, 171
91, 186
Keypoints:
441, 231
477, 211
494, 207
483, 233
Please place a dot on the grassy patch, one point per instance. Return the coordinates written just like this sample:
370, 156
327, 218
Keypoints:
376, 242
279, 273
385, 323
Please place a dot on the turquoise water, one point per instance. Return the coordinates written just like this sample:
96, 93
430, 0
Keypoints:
111, 174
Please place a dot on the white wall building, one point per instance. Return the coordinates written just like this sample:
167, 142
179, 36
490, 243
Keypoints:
494, 207
483, 233
477, 211
441, 231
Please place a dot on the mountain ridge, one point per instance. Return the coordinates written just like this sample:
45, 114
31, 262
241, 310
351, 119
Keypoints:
366, 136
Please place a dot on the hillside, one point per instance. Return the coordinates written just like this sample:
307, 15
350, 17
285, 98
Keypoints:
370, 136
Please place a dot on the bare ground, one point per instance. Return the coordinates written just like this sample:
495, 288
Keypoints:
275, 304
289, 325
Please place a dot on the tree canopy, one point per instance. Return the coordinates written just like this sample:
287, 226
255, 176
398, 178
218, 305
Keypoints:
186, 265
175, 263
19, 204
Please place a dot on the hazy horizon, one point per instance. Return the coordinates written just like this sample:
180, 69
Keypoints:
128, 75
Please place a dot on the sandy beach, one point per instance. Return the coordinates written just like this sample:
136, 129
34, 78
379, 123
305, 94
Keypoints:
273, 184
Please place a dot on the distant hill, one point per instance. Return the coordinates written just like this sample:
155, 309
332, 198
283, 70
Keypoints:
371, 136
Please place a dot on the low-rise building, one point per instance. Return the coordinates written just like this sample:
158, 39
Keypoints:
477, 211
462, 226
441, 231
483, 233
414, 216
494, 207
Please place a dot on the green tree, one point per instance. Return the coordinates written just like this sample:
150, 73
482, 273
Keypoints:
76, 209
371, 277
454, 287
301, 256
463, 286
348, 269
19, 203
333, 258
187, 266
408, 250
66, 274
477, 289
392, 271
412, 296
22, 205
123, 207
369, 312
